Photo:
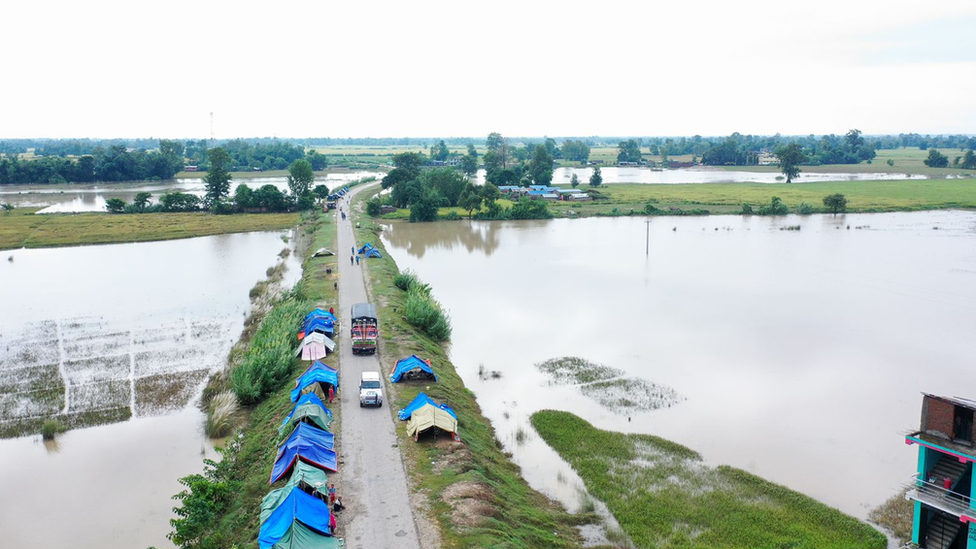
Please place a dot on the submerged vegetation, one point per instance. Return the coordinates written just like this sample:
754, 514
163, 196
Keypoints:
607, 385
664, 496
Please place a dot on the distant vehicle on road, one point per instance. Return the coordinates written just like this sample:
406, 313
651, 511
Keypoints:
364, 330
370, 390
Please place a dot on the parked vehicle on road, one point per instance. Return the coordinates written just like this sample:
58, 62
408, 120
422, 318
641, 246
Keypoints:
364, 330
370, 390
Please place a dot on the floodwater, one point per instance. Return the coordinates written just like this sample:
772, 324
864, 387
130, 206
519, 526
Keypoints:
92, 197
799, 355
128, 330
613, 174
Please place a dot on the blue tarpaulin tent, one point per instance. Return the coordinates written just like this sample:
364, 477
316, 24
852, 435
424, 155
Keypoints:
373, 252
316, 373
320, 313
305, 432
319, 324
298, 507
412, 363
307, 447
422, 400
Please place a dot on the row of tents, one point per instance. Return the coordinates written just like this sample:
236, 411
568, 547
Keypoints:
315, 335
423, 413
297, 514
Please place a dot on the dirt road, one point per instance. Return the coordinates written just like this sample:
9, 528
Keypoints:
378, 513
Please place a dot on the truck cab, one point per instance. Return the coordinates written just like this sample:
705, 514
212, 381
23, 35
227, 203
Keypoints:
364, 331
370, 389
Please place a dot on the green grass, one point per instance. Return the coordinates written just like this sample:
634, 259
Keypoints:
248, 460
664, 497
516, 515
22, 229
862, 196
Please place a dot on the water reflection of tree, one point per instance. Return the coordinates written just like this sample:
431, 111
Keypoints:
417, 238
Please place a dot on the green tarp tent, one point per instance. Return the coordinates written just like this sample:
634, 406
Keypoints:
309, 413
300, 537
307, 477
429, 416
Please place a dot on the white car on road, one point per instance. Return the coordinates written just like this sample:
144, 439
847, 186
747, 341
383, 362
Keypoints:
370, 389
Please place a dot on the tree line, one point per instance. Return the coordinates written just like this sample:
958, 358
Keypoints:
302, 194
113, 164
423, 189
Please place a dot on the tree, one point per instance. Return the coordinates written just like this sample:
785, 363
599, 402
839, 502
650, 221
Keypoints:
318, 161
115, 205
469, 164
790, 157
425, 208
541, 165
448, 183
243, 197
574, 181
439, 152
628, 151
141, 201
321, 192
300, 178
497, 144
470, 199
969, 160
179, 202
218, 178
576, 151
597, 178
936, 159
7, 208
836, 203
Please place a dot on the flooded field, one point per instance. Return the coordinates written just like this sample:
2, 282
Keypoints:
613, 174
795, 355
91, 198
123, 337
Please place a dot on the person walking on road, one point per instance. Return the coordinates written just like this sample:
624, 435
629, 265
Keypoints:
350, 260
353, 252
357, 260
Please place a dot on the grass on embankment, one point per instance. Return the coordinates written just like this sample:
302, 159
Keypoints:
475, 493
862, 196
22, 229
663, 495
225, 512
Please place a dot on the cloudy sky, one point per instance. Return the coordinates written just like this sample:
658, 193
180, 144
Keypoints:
108, 68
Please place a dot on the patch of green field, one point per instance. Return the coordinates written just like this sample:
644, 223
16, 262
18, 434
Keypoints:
22, 229
474, 474
403, 214
862, 196
664, 497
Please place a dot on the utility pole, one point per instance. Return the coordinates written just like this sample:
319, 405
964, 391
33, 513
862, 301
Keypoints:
211, 130
647, 244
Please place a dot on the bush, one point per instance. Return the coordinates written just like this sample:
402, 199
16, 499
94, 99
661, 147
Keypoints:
222, 414
421, 310
115, 205
804, 209
775, 207
408, 280
373, 206
746, 209
451, 216
51, 428
267, 363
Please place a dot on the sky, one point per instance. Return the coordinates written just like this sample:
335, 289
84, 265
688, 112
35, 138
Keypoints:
109, 68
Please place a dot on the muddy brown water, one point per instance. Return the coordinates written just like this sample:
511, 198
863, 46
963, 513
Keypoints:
801, 354
126, 330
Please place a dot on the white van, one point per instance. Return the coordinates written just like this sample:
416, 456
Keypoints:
370, 390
